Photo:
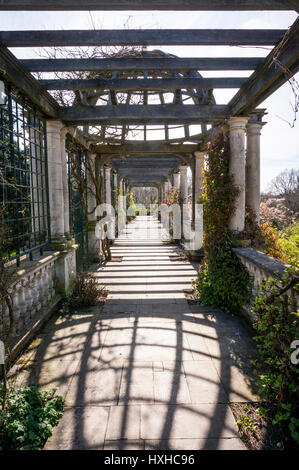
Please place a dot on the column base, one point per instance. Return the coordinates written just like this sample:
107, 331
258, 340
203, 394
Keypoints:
66, 270
93, 243
61, 243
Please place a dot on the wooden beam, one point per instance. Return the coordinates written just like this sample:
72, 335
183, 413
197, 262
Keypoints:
142, 64
142, 84
142, 37
134, 113
149, 147
148, 121
18, 75
269, 76
112, 5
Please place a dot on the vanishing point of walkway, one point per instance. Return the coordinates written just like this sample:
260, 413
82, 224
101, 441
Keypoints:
146, 370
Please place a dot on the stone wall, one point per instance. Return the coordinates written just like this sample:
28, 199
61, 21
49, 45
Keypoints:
36, 288
260, 266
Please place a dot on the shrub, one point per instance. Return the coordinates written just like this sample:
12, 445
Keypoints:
270, 242
85, 292
277, 327
264, 237
28, 418
289, 241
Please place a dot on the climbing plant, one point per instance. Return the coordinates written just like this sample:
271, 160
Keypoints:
223, 281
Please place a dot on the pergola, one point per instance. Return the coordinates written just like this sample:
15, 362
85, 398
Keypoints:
161, 90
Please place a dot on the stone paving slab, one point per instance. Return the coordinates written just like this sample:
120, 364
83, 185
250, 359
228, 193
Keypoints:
195, 444
80, 428
169, 421
147, 369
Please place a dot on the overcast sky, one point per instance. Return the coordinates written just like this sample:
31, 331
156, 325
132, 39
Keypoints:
279, 142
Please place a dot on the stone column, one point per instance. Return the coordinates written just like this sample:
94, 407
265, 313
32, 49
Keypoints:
108, 185
165, 189
93, 242
198, 175
65, 267
176, 179
160, 196
183, 184
65, 185
115, 187
55, 174
253, 167
91, 190
237, 128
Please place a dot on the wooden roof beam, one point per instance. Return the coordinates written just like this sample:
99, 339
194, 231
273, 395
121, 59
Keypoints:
270, 75
142, 84
111, 5
142, 37
18, 75
137, 113
140, 64
143, 148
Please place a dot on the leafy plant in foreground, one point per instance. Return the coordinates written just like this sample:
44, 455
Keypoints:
28, 418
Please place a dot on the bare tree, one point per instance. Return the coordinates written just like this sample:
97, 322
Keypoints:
145, 195
286, 186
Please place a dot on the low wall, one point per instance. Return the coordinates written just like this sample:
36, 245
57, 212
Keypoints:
36, 288
260, 266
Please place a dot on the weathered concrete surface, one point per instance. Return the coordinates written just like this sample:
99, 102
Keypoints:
147, 370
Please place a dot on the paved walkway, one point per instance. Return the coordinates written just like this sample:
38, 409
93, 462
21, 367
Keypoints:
147, 370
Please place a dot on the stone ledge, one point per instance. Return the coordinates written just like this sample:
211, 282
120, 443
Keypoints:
263, 261
29, 267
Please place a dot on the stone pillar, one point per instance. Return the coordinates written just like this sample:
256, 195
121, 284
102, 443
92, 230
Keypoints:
108, 185
253, 167
198, 175
91, 190
93, 242
160, 195
237, 128
176, 179
183, 184
65, 185
56, 187
165, 189
115, 187
65, 267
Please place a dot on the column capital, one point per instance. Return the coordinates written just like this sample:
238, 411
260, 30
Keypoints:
54, 126
63, 132
183, 168
254, 128
237, 123
199, 154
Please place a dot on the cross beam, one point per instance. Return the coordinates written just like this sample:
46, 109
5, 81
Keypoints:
143, 148
188, 5
141, 64
182, 37
122, 114
142, 84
